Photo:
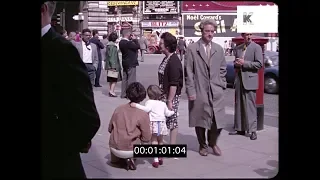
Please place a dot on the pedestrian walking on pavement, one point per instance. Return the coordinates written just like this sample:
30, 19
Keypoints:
129, 46
205, 75
112, 63
143, 47
69, 118
128, 126
182, 47
248, 61
170, 76
88, 53
158, 111
95, 40
103, 51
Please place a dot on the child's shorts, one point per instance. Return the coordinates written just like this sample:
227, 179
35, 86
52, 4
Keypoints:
160, 127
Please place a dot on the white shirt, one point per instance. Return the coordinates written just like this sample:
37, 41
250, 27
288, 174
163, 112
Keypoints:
158, 110
87, 54
45, 29
205, 46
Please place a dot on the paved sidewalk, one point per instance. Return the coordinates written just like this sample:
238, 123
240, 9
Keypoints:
241, 157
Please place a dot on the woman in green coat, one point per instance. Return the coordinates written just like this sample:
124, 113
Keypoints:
112, 63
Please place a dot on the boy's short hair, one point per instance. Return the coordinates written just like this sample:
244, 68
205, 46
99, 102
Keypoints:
136, 92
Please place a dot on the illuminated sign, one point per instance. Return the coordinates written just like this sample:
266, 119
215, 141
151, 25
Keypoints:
160, 7
123, 3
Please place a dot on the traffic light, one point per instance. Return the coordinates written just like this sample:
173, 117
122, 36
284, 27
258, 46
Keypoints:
59, 18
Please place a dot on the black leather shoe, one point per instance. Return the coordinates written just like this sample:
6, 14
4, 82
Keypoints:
253, 136
237, 133
97, 85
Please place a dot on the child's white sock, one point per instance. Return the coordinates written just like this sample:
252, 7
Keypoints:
156, 159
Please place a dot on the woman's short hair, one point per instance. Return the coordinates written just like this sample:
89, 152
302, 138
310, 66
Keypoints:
170, 41
136, 92
207, 22
154, 92
113, 37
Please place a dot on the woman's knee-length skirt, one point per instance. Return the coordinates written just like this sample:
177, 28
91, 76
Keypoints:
172, 121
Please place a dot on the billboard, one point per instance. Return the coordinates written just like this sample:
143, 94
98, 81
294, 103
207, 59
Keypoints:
160, 7
227, 24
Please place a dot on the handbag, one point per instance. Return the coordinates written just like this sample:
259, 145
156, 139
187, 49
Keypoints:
112, 74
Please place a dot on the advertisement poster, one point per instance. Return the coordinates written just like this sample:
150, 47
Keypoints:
226, 26
153, 35
160, 7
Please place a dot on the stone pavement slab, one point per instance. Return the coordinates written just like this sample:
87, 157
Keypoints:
241, 157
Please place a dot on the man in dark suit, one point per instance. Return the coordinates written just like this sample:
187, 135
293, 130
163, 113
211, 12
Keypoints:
181, 46
95, 40
129, 46
69, 118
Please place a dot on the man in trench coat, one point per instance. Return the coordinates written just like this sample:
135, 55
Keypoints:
205, 71
248, 61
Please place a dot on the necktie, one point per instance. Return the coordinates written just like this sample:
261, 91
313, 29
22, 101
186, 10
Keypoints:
208, 49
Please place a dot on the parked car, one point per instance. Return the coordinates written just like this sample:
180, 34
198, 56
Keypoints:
271, 72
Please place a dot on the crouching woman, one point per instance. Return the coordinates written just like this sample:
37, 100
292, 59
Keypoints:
128, 126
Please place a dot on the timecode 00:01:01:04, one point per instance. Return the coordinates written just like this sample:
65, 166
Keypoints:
150, 150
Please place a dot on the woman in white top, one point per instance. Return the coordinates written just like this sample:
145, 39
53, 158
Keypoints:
158, 111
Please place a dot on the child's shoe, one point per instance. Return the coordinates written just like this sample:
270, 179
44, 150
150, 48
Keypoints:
160, 161
155, 164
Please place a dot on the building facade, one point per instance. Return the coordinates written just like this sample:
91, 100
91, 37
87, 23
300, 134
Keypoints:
223, 12
159, 17
109, 16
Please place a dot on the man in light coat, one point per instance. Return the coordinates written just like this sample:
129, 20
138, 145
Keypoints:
143, 46
205, 75
88, 53
248, 61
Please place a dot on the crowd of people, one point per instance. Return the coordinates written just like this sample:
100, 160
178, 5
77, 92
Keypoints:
70, 118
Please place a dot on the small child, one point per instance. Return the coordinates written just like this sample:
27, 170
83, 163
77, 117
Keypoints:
158, 111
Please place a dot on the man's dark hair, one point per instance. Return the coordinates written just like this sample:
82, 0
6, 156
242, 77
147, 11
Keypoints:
86, 30
113, 37
105, 36
94, 32
170, 41
136, 92
154, 92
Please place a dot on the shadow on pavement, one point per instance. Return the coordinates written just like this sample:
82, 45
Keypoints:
191, 140
266, 172
229, 128
108, 158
